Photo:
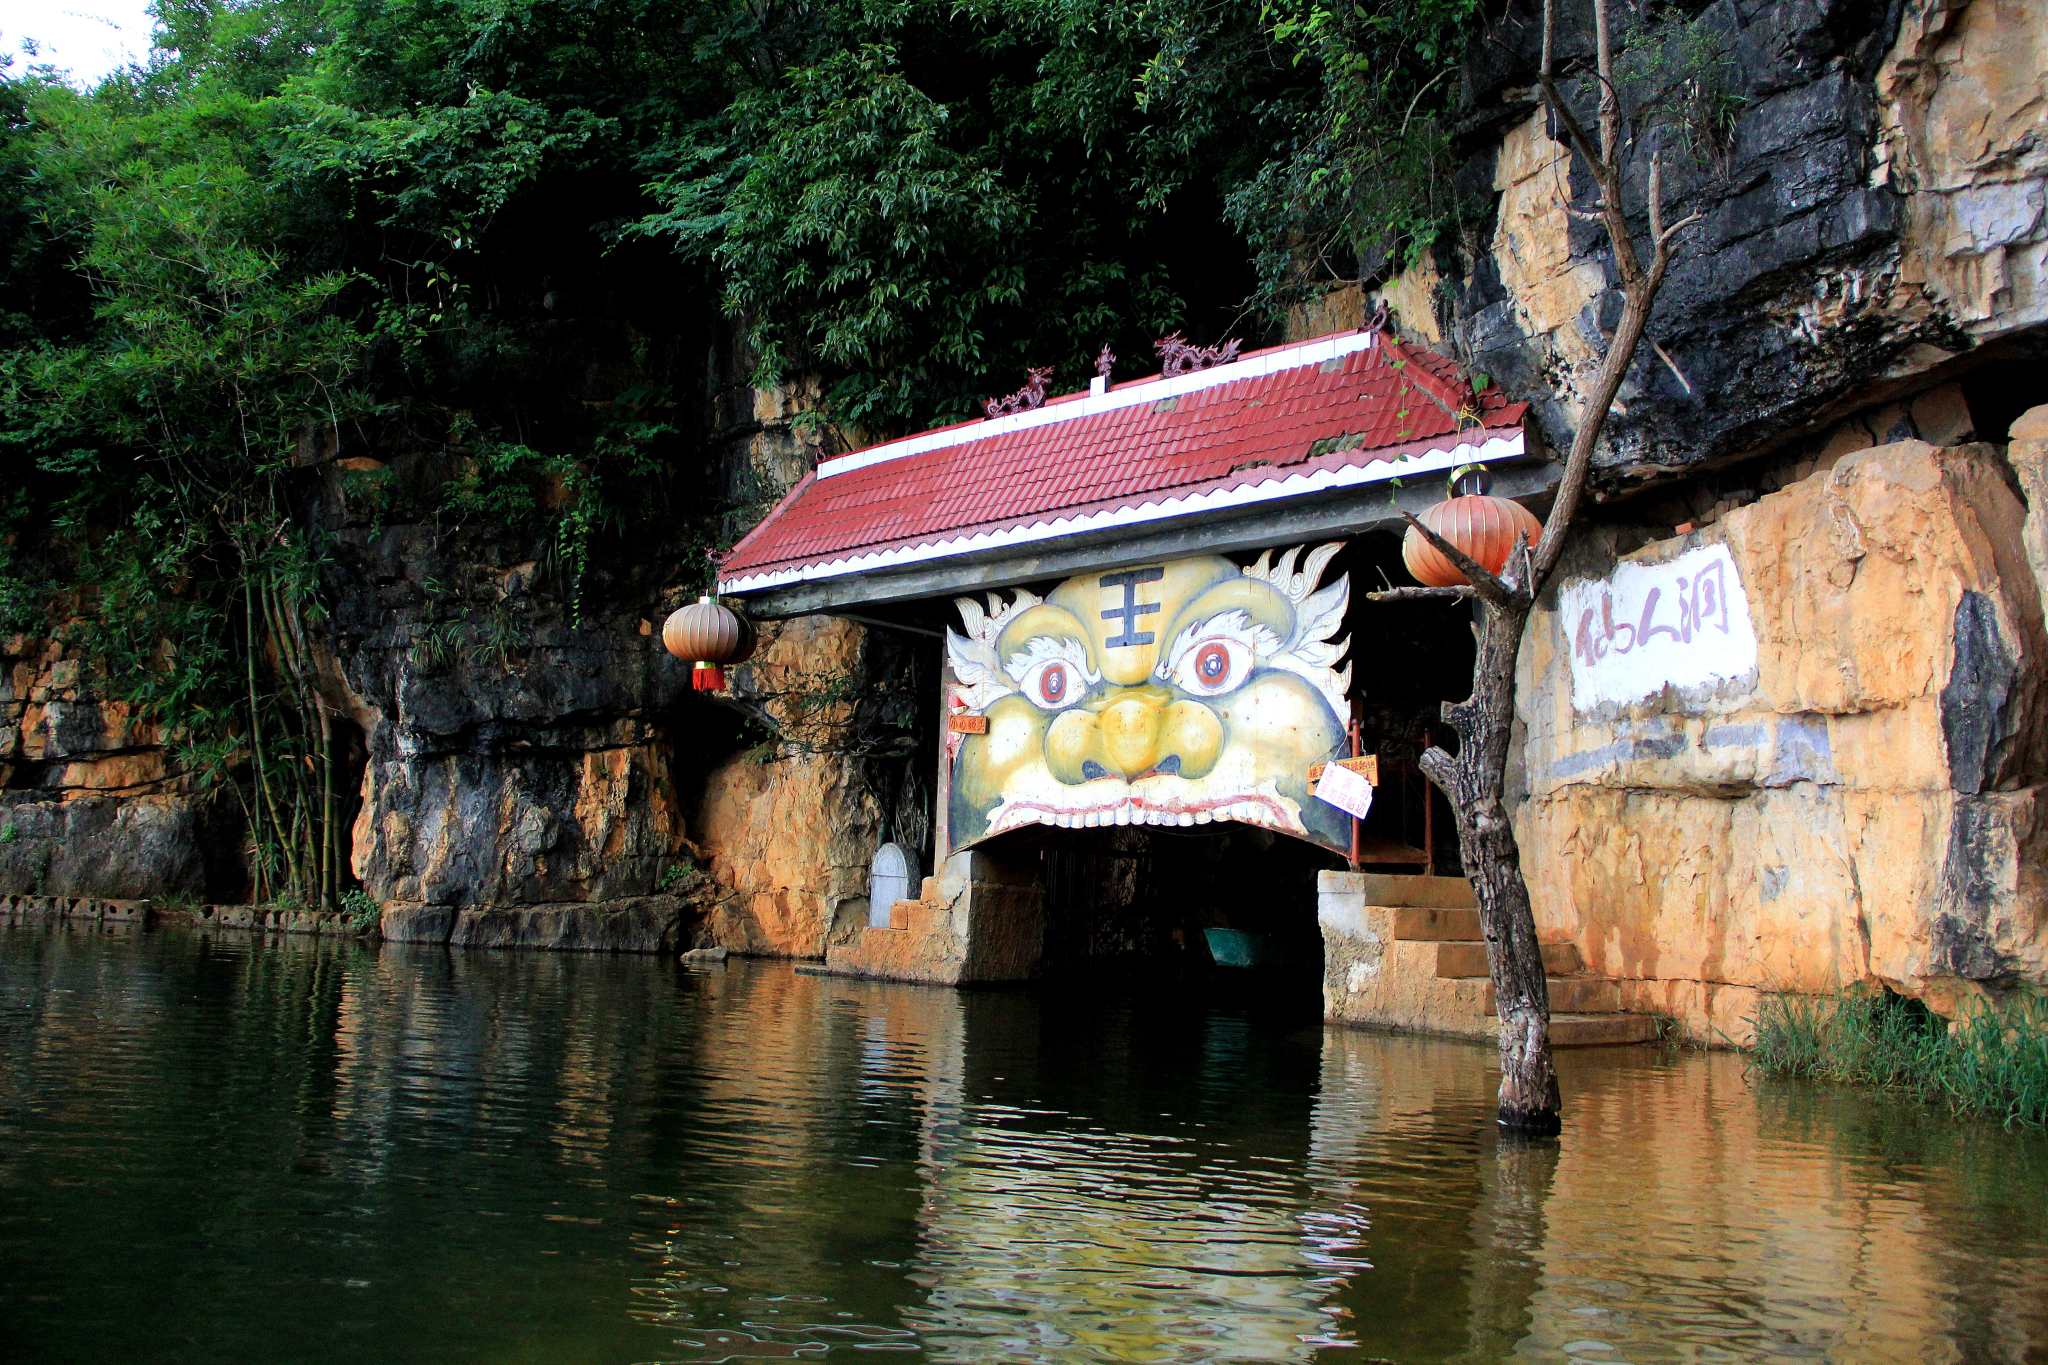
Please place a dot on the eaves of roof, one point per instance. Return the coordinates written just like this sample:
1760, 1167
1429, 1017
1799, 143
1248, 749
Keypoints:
1289, 422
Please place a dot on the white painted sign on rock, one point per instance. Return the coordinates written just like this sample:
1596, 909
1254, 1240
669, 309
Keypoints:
1683, 623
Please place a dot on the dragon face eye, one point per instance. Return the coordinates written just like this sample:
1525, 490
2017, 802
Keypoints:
1052, 672
1053, 685
1213, 665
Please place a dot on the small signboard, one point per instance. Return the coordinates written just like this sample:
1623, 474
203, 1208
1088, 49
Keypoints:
1345, 788
1365, 765
967, 725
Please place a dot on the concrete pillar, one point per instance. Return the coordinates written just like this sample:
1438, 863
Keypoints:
998, 905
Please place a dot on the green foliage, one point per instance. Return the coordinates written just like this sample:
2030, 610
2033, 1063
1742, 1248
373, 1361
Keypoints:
674, 875
1992, 1060
856, 200
1364, 186
24, 584
1679, 73
361, 908
160, 428
495, 639
924, 199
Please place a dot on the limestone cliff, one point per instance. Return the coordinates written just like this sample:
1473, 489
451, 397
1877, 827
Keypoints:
1865, 803
530, 743
1870, 180
1825, 391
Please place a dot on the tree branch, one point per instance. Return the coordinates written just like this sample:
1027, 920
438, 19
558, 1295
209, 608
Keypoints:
1638, 287
1487, 587
1665, 236
1610, 101
1582, 141
1420, 594
1656, 197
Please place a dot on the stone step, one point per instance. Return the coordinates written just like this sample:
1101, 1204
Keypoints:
1572, 995
1422, 924
1439, 893
1601, 1030
1469, 959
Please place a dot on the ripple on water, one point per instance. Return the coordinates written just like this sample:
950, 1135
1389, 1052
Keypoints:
315, 1152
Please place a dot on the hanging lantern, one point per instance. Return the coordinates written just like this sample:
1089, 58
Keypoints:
710, 635
1481, 525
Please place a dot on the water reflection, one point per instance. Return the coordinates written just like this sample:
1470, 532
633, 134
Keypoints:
310, 1152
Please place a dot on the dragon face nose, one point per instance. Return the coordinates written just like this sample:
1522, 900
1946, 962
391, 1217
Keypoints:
1130, 735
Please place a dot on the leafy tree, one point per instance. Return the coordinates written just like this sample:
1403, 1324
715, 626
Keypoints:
1364, 187
163, 431
306, 226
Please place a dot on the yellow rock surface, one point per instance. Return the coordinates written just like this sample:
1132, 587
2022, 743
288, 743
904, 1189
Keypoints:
790, 838
1819, 823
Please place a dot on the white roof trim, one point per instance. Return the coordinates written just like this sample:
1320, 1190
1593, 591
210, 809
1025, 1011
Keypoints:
1252, 367
1240, 495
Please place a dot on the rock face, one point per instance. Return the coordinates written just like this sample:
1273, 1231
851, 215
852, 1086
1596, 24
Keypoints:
1863, 803
1964, 99
791, 823
532, 761
1871, 183
90, 804
539, 770
792, 833
518, 741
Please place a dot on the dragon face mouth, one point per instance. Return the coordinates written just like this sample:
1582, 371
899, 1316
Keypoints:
1155, 799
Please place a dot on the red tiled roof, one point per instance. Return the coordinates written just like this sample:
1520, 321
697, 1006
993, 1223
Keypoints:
1268, 425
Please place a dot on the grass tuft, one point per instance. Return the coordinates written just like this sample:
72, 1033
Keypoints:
1993, 1060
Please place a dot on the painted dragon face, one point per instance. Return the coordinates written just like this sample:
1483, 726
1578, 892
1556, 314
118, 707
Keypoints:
1180, 693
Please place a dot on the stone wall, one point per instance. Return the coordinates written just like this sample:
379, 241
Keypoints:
1864, 805
980, 919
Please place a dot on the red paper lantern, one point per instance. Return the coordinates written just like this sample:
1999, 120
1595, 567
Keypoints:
710, 635
1481, 525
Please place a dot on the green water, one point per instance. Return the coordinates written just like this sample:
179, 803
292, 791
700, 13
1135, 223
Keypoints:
228, 1150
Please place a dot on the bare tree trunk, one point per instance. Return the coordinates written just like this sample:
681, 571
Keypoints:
1475, 778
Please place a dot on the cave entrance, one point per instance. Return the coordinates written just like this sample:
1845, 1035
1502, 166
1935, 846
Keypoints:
1407, 660
1228, 909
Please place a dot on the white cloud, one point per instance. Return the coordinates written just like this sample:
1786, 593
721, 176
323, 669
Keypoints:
86, 39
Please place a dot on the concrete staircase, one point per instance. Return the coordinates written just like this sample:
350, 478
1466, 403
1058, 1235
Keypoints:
1406, 952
